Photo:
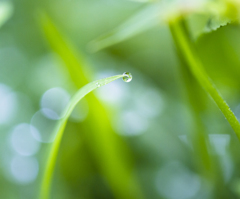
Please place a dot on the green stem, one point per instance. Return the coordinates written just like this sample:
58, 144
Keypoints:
51, 161
195, 99
59, 129
186, 46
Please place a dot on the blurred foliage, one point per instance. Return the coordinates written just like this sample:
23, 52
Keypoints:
160, 136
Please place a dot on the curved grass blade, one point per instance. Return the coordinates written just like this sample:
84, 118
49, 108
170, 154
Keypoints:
187, 50
142, 21
110, 152
151, 16
164, 11
47, 177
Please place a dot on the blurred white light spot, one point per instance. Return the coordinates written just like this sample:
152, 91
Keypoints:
175, 181
219, 142
4, 90
6, 10
130, 123
8, 104
112, 93
24, 169
80, 112
188, 5
22, 140
149, 103
43, 128
53, 102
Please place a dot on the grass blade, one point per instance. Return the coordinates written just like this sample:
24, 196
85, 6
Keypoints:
185, 45
109, 151
164, 11
46, 182
147, 18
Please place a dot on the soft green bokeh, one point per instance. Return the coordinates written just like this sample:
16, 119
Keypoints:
159, 136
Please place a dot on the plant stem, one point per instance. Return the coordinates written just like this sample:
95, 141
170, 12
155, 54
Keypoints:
185, 45
51, 161
59, 129
195, 103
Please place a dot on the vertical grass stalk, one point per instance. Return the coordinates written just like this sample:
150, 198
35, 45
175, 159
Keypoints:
185, 45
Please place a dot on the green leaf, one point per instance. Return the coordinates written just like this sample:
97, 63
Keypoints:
216, 22
219, 13
199, 24
212, 16
45, 187
152, 15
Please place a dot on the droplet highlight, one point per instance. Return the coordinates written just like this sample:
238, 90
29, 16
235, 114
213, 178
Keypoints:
127, 77
97, 84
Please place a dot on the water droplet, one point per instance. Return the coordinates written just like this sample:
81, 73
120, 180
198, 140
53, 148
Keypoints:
127, 77
97, 84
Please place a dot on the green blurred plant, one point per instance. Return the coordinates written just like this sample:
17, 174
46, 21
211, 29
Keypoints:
175, 14
108, 149
218, 13
60, 126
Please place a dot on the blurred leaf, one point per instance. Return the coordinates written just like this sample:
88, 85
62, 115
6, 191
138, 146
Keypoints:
145, 19
215, 23
219, 13
214, 15
149, 17
108, 149
199, 24
224, 56
60, 129
6, 10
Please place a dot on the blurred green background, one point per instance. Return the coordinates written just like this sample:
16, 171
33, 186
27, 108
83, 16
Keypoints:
142, 139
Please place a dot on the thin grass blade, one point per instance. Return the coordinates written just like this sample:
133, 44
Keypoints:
185, 45
47, 177
145, 19
111, 154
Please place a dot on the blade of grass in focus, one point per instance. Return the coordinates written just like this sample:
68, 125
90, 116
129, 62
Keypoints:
108, 149
182, 41
47, 177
